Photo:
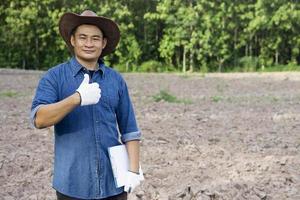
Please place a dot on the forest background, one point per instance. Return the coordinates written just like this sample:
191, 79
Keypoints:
161, 35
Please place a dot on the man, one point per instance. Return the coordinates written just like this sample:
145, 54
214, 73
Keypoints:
89, 105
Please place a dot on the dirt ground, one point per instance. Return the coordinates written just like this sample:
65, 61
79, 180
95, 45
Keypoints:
237, 138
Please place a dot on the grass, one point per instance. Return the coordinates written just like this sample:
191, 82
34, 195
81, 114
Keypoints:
240, 99
188, 75
274, 68
8, 93
281, 68
216, 98
164, 95
274, 99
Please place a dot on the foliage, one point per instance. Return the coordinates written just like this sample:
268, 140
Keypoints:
191, 35
278, 68
248, 64
155, 66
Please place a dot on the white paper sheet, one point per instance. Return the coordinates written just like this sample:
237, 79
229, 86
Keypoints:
120, 163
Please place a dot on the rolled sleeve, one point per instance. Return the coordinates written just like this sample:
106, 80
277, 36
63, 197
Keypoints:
125, 116
131, 136
46, 93
33, 115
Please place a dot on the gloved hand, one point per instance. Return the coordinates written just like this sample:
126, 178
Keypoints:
89, 93
133, 180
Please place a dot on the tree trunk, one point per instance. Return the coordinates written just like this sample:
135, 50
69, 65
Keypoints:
234, 48
23, 63
127, 66
184, 60
37, 61
145, 33
276, 57
255, 43
220, 62
177, 60
250, 49
191, 61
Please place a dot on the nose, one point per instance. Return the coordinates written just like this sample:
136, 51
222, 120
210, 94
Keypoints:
89, 42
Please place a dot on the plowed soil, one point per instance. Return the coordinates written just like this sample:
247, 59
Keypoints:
229, 136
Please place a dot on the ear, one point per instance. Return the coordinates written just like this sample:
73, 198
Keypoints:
104, 43
72, 39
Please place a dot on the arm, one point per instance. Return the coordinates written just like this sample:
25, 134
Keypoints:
47, 111
130, 133
133, 149
48, 115
135, 173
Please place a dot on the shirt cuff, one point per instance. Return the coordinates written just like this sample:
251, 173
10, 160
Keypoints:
33, 115
131, 136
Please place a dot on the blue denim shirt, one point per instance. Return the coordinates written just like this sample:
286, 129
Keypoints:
82, 167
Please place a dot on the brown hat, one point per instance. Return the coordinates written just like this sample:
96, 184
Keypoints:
69, 21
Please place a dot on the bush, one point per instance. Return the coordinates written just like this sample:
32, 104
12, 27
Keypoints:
120, 67
248, 63
281, 68
155, 66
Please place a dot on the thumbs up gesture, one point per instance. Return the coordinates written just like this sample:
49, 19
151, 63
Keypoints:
89, 93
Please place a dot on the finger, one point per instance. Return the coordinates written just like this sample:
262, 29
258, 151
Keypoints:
141, 177
86, 79
126, 188
95, 85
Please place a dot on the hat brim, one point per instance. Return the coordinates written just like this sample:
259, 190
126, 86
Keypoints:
69, 21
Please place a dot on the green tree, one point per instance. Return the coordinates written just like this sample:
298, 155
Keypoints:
191, 35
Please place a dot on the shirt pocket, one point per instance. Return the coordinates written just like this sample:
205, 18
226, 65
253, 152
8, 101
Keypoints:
109, 99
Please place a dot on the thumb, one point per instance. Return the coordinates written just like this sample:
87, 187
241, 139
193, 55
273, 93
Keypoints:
127, 188
86, 79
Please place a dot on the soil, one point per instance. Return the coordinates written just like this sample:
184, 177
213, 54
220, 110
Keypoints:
230, 136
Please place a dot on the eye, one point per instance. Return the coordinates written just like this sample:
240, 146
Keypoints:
96, 38
82, 37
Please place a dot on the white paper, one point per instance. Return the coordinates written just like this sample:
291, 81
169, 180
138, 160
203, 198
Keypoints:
120, 163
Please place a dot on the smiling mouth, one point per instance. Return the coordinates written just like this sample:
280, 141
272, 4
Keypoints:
89, 51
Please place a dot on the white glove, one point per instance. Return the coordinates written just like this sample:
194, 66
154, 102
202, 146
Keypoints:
133, 180
89, 93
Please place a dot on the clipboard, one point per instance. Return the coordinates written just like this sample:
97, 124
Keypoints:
120, 163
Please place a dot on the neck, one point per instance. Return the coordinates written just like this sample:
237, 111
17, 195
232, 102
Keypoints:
90, 65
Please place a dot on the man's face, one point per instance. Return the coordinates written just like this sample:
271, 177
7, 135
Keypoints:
88, 42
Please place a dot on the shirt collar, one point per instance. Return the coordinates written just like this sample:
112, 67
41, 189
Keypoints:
77, 67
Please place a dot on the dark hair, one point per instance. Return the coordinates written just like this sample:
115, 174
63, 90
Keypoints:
74, 30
